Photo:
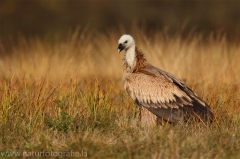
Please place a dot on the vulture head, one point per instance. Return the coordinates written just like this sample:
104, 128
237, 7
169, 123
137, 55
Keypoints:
125, 42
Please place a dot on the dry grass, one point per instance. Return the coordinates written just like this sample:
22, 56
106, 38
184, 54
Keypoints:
68, 96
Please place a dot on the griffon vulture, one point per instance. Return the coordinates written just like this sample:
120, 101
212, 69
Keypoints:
161, 96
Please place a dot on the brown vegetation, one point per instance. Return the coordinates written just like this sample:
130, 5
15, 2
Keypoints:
68, 96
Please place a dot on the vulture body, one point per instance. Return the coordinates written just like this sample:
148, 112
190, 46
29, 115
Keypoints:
161, 96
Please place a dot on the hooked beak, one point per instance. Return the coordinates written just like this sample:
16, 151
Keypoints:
120, 48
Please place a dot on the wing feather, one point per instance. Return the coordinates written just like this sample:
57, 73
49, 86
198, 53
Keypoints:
165, 95
155, 91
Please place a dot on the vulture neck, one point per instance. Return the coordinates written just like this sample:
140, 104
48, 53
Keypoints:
135, 59
130, 56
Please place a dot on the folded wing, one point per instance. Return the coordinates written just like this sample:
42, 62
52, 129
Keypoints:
165, 95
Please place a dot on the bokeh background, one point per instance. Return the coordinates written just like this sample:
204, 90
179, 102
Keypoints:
63, 38
48, 18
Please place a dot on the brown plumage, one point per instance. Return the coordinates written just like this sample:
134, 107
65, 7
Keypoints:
157, 91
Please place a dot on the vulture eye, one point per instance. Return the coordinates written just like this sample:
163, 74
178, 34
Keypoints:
125, 41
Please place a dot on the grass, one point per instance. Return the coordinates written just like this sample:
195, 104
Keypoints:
67, 96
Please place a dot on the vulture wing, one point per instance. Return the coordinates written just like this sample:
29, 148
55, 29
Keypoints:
165, 95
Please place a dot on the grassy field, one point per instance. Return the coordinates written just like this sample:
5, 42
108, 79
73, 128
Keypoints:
66, 97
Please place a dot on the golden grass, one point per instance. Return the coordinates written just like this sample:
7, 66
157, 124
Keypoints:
68, 95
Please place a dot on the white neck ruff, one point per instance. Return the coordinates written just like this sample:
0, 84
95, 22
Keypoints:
130, 56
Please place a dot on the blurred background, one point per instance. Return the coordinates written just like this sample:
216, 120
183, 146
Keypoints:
64, 38
48, 18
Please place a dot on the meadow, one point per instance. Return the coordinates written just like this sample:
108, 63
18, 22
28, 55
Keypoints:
67, 96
